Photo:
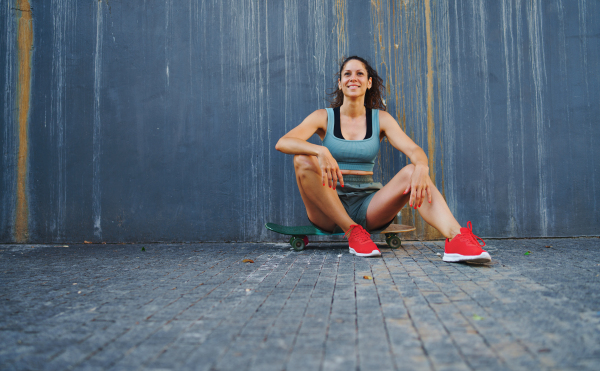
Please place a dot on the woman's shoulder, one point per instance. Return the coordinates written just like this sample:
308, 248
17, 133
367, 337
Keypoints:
385, 120
317, 119
319, 115
385, 116
383, 113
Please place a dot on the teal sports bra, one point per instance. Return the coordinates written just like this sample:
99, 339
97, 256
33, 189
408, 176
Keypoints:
353, 154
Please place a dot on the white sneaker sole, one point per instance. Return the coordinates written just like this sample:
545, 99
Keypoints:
372, 253
484, 257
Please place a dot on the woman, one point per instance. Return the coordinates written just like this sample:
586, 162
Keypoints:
336, 179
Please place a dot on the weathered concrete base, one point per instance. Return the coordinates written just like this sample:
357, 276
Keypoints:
199, 306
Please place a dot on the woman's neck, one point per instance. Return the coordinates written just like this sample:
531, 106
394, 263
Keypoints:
353, 108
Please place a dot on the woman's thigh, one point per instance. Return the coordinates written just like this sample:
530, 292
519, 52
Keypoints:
307, 168
390, 199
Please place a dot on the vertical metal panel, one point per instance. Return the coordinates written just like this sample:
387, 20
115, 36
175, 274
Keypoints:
156, 121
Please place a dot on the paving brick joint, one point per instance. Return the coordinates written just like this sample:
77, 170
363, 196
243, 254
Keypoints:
201, 307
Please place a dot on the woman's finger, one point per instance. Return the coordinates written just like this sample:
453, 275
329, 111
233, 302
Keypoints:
406, 190
424, 194
416, 203
413, 197
334, 179
429, 194
340, 177
323, 177
419, 197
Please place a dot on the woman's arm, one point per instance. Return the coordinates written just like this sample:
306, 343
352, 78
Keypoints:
420, 182
295, 143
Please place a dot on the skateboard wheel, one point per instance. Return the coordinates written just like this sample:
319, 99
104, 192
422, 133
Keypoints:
298, 244
393, 242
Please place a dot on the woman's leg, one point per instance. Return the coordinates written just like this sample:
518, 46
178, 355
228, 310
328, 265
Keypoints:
390, 199
322, 203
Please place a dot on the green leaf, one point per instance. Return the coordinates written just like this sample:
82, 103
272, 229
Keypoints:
143, 248
477, 318
528, 252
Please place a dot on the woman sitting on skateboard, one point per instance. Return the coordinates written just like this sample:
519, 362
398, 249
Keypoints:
336, 179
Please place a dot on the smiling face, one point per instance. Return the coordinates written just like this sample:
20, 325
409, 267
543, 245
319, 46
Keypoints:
353, 80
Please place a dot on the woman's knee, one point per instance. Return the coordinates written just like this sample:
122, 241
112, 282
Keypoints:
303, 163
406, 172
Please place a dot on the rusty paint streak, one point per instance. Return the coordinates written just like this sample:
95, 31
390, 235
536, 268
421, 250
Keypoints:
24, 47
430, 232
400, 32
440, 109
340, 26
430, 122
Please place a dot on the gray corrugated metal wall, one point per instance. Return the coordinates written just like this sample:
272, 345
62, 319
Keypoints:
156, 121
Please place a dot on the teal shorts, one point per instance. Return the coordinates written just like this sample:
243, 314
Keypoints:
357, 193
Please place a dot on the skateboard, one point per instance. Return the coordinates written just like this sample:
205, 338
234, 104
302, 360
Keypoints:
298, 238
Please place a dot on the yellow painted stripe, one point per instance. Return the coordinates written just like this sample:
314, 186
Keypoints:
430, 122
24, 47
340, 26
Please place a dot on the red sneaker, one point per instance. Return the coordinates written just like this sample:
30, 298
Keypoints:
465, 247
360, 242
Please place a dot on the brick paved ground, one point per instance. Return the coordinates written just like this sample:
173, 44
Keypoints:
199, 306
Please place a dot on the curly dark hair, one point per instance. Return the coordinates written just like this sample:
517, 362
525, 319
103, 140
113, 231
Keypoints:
374, 98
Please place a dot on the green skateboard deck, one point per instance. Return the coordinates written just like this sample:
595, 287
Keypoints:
298, 234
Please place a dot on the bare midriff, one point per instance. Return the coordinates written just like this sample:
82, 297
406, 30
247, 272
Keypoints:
356, 172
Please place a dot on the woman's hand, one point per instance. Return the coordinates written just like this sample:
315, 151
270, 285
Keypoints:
420, 186
330, 171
